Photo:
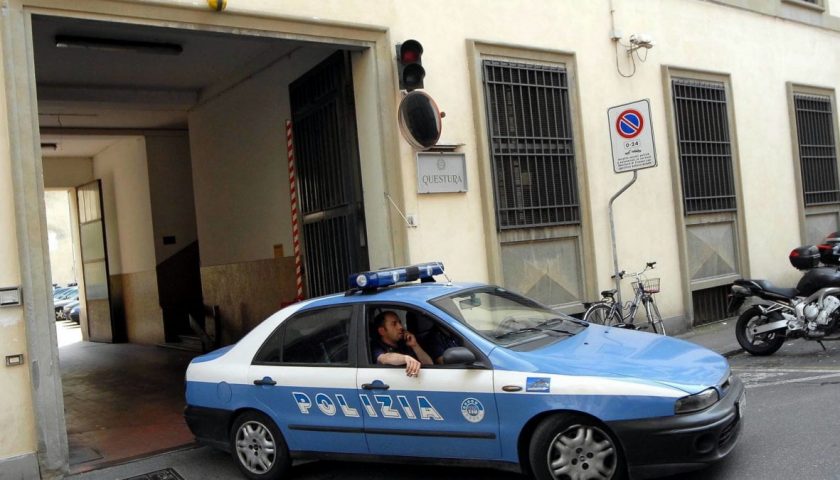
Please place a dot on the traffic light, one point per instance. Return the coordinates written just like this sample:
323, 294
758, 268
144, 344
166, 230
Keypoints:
409, 65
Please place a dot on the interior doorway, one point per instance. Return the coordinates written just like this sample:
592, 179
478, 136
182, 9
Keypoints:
63, 248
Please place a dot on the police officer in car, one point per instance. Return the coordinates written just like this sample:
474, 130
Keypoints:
396, 345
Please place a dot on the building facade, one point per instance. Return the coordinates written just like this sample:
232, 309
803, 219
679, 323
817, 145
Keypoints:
181, 172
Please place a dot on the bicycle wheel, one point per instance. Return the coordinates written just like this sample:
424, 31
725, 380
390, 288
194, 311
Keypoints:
601, 313
653, 317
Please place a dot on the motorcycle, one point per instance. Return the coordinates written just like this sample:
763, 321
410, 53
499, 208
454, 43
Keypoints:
809, 311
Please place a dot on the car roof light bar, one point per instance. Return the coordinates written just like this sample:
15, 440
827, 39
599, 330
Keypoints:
391, 276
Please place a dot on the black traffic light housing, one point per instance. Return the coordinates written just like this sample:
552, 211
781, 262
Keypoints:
410, 65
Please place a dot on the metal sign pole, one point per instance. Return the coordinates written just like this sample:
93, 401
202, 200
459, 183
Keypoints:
612, 236
633, 148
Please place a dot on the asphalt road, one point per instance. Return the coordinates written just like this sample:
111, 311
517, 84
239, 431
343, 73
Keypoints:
791, 430
792, 427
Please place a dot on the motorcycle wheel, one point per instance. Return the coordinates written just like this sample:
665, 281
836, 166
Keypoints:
763, 343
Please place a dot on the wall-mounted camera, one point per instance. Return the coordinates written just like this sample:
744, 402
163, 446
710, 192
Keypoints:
641, 40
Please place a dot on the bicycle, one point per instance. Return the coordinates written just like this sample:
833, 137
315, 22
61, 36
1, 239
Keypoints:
609, 312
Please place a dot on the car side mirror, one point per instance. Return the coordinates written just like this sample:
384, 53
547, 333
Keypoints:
458, 355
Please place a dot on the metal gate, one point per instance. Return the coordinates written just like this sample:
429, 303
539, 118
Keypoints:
818, 164
535, 181
329, 177
704, 140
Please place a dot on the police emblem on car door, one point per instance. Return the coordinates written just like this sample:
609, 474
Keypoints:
305, 374
445, 411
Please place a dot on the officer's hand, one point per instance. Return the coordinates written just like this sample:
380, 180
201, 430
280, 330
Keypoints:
410, 339
412, 366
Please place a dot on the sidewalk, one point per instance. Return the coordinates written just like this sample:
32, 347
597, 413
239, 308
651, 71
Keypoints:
718, 336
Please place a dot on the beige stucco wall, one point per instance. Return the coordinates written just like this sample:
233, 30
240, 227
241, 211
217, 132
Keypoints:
67, 172
759, 53
171, 192
144, 317
16, 408
240, 166
124, 172
247, 293
17, 418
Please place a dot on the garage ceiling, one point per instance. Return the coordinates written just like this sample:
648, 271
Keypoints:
137, 88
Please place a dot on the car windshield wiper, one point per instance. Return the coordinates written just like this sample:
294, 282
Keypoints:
518, 331
544, 325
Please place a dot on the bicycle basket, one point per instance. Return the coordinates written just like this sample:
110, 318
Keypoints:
648, 285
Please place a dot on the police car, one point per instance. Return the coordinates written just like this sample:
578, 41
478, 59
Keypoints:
518, 387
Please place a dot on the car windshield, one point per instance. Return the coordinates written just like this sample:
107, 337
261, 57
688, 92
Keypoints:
506, 318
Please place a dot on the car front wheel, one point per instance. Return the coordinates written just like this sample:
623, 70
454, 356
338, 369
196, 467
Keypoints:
570, 447
258, 447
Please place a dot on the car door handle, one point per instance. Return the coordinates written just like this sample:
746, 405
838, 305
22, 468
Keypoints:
375, 385
265, 381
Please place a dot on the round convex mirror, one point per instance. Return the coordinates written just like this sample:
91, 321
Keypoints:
420, 120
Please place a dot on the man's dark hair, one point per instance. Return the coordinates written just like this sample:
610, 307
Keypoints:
379, 319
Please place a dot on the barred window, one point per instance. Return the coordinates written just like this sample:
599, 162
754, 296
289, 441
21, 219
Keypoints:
818, 158
803, 3
529, 121
704, 146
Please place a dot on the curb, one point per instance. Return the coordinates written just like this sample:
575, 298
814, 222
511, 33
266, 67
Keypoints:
732, 353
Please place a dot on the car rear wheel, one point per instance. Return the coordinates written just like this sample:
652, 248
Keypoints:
258, 447
570, 447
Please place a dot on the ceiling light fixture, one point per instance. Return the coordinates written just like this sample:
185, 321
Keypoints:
117, 45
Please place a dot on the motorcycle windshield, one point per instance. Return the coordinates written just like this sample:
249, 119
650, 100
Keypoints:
606, 351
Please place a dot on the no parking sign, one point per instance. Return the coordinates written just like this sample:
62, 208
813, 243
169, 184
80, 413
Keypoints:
631, 133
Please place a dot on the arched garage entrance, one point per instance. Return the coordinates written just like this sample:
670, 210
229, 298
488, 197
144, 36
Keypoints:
215, 187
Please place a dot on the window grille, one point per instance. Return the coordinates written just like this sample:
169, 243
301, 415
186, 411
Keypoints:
704, 146
710, 304
533, 156
818, 158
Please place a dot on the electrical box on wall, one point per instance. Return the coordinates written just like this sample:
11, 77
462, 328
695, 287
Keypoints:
14, 360
10, 296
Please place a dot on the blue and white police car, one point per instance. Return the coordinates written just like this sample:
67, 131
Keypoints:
517, 386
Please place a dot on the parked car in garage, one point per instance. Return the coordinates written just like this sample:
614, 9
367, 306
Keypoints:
69, 309
518, 386
65, 297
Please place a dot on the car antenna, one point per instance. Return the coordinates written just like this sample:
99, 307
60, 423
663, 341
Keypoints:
443, 272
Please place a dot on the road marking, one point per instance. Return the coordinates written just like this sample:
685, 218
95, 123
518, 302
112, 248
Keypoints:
741, 371
794, 380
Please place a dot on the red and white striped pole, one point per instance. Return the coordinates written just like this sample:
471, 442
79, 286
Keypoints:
295, 229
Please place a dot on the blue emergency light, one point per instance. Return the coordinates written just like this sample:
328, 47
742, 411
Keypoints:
392, 276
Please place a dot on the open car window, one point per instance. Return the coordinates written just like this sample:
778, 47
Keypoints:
506, 318
431, 334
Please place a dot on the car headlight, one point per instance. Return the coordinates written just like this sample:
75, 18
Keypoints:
697, 402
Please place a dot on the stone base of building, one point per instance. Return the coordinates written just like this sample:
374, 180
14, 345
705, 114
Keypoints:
24, 467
